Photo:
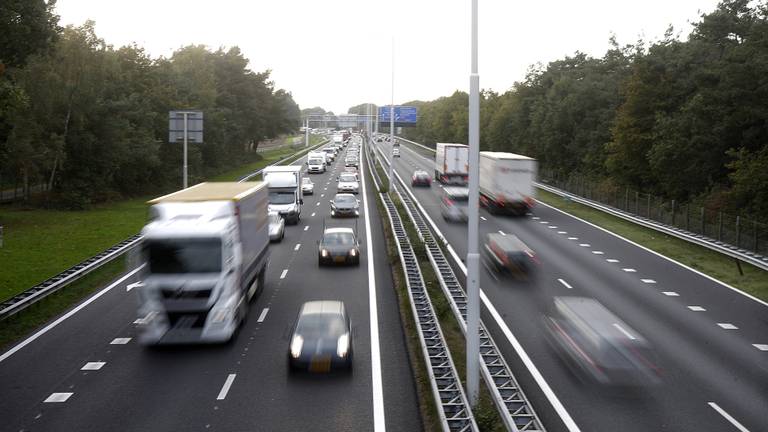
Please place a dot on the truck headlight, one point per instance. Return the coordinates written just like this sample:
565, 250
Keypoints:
342, 345
324, 253
353, 252
219, 315
296, 345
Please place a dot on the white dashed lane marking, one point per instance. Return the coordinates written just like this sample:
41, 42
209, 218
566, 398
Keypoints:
501, 232
225, 389
562, 232
626, 333
584, 245
282, 275
552, 227
612, 260
298, 245
727, 326
671, 294
697, 308
313, 214
58, 397
565, 284
648, 281
120, 341
573, 238
629, 270
598, 252
263, 315
306, 228
93, 366
483, 218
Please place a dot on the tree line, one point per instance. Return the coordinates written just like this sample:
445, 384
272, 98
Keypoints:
89, 122
682, 119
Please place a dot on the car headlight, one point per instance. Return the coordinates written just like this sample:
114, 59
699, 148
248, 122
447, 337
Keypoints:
353, 252
296, 345
220, 315
333, 212
342, 346
324, 253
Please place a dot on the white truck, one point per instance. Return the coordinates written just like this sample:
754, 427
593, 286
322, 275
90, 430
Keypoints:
452, 163
316, 162
285, 194
205, 253
506, 182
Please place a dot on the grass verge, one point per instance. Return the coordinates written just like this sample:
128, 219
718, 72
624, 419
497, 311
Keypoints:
754, 281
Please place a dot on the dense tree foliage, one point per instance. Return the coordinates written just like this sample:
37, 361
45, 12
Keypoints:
90, 121
684, 119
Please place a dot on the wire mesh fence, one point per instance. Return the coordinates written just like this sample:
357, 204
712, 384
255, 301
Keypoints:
743, 233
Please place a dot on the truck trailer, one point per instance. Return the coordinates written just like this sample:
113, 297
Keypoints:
285, 194
506, 182
205, 253
452, 163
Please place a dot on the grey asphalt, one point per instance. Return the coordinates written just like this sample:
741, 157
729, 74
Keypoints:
701, 362
141, 389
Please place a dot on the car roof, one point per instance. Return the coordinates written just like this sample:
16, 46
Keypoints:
588, 313
322, 307
507, 242
339, 230
344, 195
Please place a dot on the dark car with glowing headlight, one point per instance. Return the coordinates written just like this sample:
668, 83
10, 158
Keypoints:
338, 246
322, 338
345, 204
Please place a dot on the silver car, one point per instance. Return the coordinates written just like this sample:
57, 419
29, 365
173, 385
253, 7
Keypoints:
276, 227
453, 205
307, 187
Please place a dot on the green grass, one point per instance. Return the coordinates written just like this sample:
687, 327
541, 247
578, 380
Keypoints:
719, 266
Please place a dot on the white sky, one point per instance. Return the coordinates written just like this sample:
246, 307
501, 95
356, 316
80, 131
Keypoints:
337, 53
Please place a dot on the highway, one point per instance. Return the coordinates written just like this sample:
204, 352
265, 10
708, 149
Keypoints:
710, 340
85, 372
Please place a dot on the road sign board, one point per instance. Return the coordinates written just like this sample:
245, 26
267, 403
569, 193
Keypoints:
194, 126
404, 115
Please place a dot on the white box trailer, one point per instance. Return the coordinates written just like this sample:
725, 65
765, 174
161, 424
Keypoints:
285, 194
206, 252
506, 182
451, 163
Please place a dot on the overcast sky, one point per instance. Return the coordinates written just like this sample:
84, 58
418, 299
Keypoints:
337, 53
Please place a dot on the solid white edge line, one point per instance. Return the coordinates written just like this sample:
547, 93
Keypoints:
376, 383
225, 388
263, 315
47, 328
728, 417
565, 284
764, 303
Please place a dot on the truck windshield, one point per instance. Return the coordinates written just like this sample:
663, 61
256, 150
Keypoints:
173, 256
315, 161
281, 197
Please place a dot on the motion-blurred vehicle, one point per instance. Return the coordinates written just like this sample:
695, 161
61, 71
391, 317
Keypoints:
206, 250
348, 183
507, 254
421, 178
307, 187
338, 246
599, 346
276, 227
454, 203
345, 204
330, 152
321, 339
396, 152
452, 163
506, 182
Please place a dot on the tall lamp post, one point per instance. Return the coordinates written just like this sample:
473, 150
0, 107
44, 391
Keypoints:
473, 257
392, 121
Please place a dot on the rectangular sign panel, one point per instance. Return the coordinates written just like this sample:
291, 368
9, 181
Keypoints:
194, 126
404, 115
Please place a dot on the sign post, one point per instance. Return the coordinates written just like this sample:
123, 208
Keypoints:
186, 126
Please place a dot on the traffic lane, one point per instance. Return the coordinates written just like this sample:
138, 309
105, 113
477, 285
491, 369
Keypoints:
543, 297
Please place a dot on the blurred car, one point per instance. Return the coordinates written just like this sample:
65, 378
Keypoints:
307, 187
321, 339
330, 153
507, 254
599, 346
396, 152
453, 204
348, 183
338, 246
421, 178
350, 161
344, 204
276, 227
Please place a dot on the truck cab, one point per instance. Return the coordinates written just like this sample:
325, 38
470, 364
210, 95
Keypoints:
285, 193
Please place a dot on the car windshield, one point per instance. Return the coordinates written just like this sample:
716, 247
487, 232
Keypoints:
344, 199
339, 239
306, 181
347, 178
281, 197
174, 256
317, 325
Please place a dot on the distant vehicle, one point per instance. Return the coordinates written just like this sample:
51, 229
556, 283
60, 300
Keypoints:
338, 139
316, 163
421, 178
285, 192
321, 338
307, 187
348, 183
351, 170
454, 203
350, 161
345, 204
396, 152
330, 153
506, 182
379, 139
206, 254
276, 227
507, 254
599, 346
338, 246
452, 163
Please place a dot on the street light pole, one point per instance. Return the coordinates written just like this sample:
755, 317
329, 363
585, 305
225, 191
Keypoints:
186, 114
392, 121
473, 257
306, 130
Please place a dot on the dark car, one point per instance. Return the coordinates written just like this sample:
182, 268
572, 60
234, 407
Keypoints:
338, 246
505, 253
322, 338
599, 346
345, 204
421, 178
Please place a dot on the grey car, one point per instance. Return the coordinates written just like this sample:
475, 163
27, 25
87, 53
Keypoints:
454, 203
338, 246
321, 339
345, 204
276, 227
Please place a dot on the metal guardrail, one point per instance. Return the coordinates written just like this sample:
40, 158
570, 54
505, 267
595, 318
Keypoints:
513, 406
454, 410
38, 292
758, 260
